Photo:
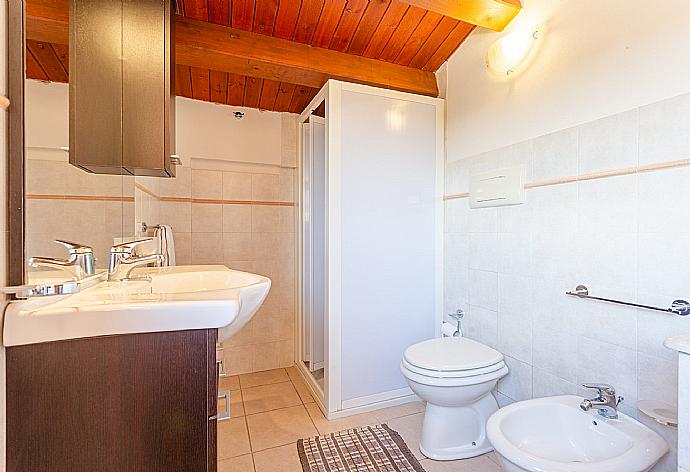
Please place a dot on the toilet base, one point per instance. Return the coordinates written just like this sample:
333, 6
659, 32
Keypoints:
451, 433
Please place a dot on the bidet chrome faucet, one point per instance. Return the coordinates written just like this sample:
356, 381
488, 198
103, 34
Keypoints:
123, 260
606, 402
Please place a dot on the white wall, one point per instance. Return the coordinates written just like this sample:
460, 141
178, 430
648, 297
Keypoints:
210, 131
596, 58
606, 91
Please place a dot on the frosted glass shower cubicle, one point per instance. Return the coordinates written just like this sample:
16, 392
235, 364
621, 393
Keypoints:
370, 242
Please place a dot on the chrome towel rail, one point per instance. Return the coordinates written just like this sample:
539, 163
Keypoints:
678, 307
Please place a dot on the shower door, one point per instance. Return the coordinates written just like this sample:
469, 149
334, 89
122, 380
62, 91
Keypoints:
314, 270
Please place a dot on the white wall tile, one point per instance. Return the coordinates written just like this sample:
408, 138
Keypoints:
483, 251
608, 205
662, 201
603, 362
555, 155
618, 235
547, 385
483, 287
665, 130
654, 382
482, 220
517, 385
608, 143
514, 253
481, 325
663, 262
457, 216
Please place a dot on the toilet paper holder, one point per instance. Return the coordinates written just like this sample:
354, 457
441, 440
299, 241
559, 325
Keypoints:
457, 316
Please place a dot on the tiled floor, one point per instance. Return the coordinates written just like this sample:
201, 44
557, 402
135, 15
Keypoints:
271, 410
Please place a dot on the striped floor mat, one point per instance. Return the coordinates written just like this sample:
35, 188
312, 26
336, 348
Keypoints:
367, 449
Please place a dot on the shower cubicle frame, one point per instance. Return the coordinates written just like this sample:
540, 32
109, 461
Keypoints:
329, 399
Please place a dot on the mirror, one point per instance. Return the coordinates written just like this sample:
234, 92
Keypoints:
64, 201
98, 111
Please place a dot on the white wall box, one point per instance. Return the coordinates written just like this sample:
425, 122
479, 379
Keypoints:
371, 221
498, 187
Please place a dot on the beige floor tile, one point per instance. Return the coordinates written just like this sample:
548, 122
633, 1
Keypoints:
263, 378
410, 428
236, 404
303, 391
269, 397
293, 373
278, 459
233, 439
279, 427
237, 464
474, 464
230, 382
399, 411
326, 427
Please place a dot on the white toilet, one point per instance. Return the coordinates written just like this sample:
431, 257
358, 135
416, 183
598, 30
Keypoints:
455, 376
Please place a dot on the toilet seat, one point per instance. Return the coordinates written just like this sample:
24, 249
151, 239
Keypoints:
457, 374
451, 357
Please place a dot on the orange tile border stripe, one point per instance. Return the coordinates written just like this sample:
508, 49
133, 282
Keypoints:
98, 198
212, 201
594, 176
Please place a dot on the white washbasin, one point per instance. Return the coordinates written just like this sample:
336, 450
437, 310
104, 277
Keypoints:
174, 299
553, 434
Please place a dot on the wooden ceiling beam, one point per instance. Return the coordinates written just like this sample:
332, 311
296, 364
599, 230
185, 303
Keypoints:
225, 49
492, 14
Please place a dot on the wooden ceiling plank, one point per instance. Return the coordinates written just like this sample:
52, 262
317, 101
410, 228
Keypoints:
367, 26
300, 99
243, 14
390, 21
418, 37
200, 84
46, 57
307, 20
206, 45
183, 81
265, 16
330, 17
286, 19
33, 68
252, 92
449, 45
402, 34
218, 82
492, 14
209, 46
269, 93
62, 52
235, 93
196, 9
284, 97
433, 42
352, 15
219, 12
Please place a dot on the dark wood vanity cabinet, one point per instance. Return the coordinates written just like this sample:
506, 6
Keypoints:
136, 402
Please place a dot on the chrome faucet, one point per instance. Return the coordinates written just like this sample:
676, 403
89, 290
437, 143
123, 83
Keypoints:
606, 402
80, 263
123, 260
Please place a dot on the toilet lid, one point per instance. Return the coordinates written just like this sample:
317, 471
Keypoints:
451, 354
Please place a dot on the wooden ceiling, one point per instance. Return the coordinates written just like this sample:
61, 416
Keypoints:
395, 37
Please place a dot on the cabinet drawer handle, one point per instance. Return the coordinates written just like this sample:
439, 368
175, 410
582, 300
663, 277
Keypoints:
221, 368
224, 395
